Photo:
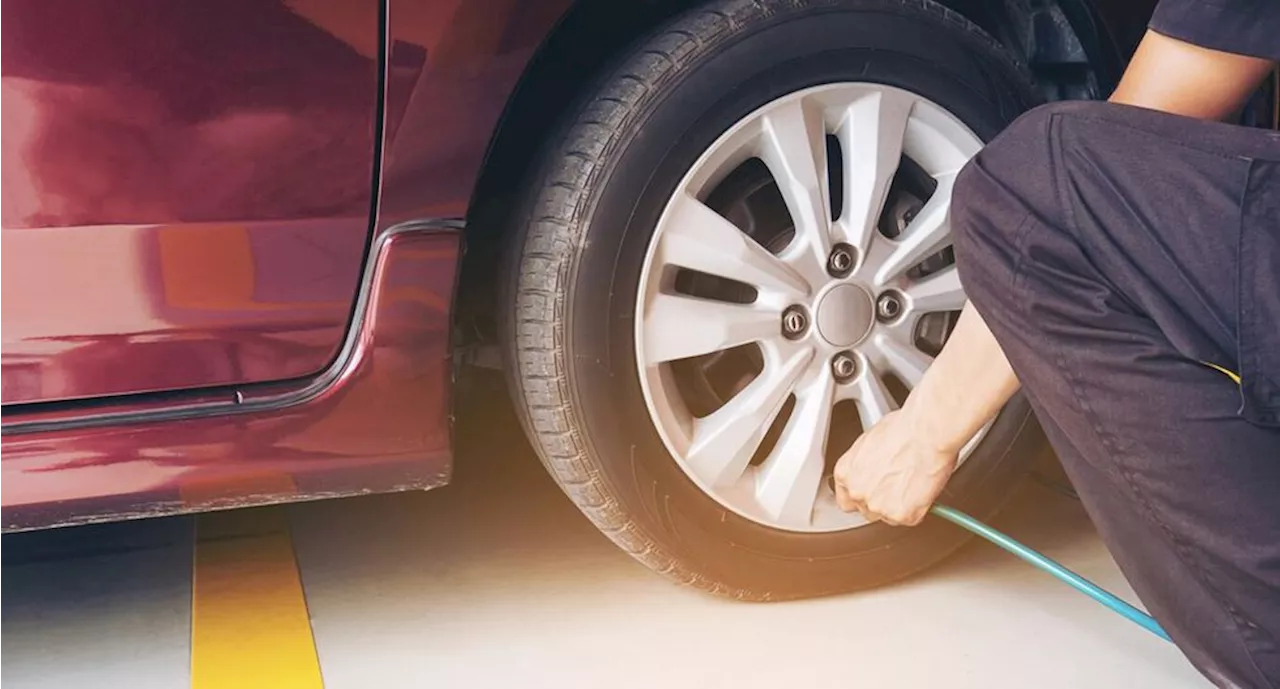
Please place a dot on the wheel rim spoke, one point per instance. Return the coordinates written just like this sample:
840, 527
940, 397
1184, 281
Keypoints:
927, 233
938, 143
789, 479
794, 147
874, 400
871, 137
724, 442
903, 359
679, 326
694, 236
940, 291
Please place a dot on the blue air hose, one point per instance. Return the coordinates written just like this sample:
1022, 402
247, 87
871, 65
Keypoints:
1065, 575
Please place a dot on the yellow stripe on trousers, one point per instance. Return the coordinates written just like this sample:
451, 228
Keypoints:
1235, 377
249, 623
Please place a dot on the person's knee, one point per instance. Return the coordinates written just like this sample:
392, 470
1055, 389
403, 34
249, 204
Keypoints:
1022, 155
1010, 180
1005, 170
1017, 183
988, 208
983, 234
1025, 157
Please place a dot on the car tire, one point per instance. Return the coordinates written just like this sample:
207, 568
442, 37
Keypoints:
585, 245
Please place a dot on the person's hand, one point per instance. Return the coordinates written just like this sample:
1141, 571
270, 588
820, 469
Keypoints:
893, 472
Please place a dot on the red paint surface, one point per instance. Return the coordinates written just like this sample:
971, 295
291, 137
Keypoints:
186, 197
91, 311
187, 185
382, 425
165, 165
452, 66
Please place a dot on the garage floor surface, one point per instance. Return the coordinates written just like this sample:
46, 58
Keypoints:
496, 581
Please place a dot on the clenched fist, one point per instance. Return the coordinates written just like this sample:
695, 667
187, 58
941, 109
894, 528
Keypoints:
893, 472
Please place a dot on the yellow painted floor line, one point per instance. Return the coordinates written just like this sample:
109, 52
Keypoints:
249, 623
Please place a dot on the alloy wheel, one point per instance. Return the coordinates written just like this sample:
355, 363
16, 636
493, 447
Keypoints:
845, 307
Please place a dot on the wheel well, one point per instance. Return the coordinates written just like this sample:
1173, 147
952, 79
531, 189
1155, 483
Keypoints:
592, 33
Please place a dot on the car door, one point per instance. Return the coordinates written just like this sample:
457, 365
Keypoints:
187, 190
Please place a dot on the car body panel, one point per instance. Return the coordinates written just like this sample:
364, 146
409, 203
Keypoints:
258, 320
109, 309
379, 422
452, 67
288, 395
187, 190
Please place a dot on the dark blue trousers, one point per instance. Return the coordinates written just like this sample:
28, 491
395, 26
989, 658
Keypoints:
1128, 262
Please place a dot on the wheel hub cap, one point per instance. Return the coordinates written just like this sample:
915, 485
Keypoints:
845, 315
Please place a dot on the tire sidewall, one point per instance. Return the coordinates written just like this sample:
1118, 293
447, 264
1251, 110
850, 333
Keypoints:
690, 106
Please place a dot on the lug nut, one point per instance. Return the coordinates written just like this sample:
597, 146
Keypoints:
794, 321
888, 306
840, 262
844, 367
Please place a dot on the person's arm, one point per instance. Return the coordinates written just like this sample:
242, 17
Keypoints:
899, 466
1184, 79
973, 382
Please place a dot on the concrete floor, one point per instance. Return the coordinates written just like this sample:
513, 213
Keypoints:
496, 581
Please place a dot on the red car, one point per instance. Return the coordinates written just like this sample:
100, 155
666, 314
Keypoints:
248, 244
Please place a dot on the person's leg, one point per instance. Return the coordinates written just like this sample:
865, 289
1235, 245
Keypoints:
1102, 253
